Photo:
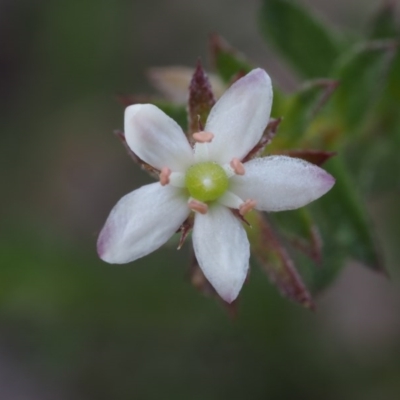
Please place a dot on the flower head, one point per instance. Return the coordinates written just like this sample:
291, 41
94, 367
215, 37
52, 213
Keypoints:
210, 180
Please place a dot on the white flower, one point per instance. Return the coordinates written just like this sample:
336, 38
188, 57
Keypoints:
210, 180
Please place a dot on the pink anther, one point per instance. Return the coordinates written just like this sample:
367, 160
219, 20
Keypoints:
198, 206
247, 206
237, 166
164, 176
203, 137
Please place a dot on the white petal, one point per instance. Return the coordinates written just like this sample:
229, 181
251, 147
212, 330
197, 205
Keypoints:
239, 117
177, 179
280, 183
229, 199
222, 250
156, 138
201, 153
141, 222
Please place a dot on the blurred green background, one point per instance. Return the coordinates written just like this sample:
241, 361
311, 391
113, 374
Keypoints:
73, 327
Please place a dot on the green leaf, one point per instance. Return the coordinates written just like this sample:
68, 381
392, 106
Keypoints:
361, 74
383, 24
226, 60
298, 111
391, 86
301, 39
344, 221
387, 133
373, 155
301, 232
375, 160
345, 230
319, 278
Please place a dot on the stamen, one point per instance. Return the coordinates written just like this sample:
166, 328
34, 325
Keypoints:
164, 176
198, 206
237, 166
247, 206
203, 137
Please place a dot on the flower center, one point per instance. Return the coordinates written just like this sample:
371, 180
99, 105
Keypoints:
206, 181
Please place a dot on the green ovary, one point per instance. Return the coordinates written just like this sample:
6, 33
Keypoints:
206, 181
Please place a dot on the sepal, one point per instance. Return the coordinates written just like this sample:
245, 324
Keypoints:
201, 100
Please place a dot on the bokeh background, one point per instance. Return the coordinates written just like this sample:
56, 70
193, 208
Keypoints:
73, 327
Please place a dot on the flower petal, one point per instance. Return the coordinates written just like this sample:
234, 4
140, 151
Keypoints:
280, 183
141, 222
239, 117
156, 138
222, 250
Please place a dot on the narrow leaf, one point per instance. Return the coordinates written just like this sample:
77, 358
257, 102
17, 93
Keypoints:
344, 220
333, 260
361, 73
374, 154
383, 24
387, 109
383, 141
301, 231
275, 261
299, 111
305, 42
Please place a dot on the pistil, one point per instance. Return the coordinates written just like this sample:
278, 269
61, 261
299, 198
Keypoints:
206, 181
